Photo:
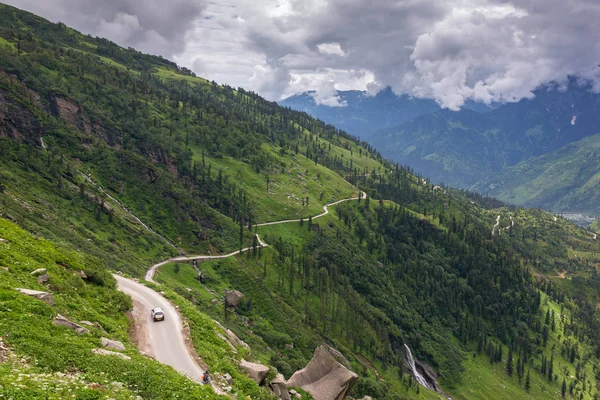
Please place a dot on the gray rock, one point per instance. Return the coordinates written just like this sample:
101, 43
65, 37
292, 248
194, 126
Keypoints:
112, 344
44, 278
103, 352
3, 241
228, 378
236, 340
258, 372
88, 323
324, 377
43, 296
233, 298
82, 275
39, 271
279, 388
62, 321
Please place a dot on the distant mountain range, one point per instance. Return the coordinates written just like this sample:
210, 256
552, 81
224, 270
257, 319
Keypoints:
364, 114
479, 146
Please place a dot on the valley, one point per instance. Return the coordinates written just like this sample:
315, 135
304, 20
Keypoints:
269, 238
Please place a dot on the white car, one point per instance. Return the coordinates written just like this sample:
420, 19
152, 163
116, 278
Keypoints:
157, 314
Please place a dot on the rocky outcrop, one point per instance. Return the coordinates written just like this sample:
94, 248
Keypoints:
18, 122
258, 372
75, 116
62, 321
112, 344
103, 352
43, 296
324, 377
279, 387
233, 298
236, 340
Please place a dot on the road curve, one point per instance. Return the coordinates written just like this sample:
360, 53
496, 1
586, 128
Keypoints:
152, 270
166, 337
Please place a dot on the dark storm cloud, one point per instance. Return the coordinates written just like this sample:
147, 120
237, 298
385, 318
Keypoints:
154, 26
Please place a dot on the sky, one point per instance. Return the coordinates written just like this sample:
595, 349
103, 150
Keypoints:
447, 50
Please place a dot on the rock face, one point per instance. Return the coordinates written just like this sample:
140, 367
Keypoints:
103, 352
258, 372
324, 377
233, 298
17, 122
62, 321
112, 344
279, 388
43, 296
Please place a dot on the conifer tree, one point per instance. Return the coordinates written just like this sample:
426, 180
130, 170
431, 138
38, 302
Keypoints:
509, 362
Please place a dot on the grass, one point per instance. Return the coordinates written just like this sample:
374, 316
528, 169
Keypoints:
485, 381
171, 74
289, 184
44, 351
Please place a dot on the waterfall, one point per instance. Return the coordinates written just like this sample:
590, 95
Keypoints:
411, 363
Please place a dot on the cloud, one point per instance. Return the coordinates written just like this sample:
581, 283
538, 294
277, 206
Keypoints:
152, 26
448, 50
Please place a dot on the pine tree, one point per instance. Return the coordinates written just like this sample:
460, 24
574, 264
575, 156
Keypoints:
528, 381
509, 362
550, 368
563, 389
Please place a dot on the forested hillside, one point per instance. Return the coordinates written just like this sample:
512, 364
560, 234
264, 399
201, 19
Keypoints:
465, 147
130, 159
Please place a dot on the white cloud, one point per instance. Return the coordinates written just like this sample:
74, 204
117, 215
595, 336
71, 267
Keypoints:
449, 50
331, 49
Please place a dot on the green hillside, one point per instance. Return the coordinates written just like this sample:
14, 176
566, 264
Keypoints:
565, 179
117, 160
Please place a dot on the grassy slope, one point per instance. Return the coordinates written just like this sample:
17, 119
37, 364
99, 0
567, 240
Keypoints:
245, 274
562, 180
44, 350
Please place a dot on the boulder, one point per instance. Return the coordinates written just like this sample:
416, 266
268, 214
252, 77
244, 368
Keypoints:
43, 296
324, 377
103, 352
39, 271
233, 298
3, 241
82, 275
258, 372
279, 388
88, 323
112, 344
44, 278
228, 378
62, 321
236, 340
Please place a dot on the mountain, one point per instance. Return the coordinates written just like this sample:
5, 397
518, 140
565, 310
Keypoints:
461, 148
115, 161
363, 114
565, 179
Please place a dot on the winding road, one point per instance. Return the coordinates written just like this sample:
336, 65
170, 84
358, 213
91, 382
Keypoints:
152, 270
166, 338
